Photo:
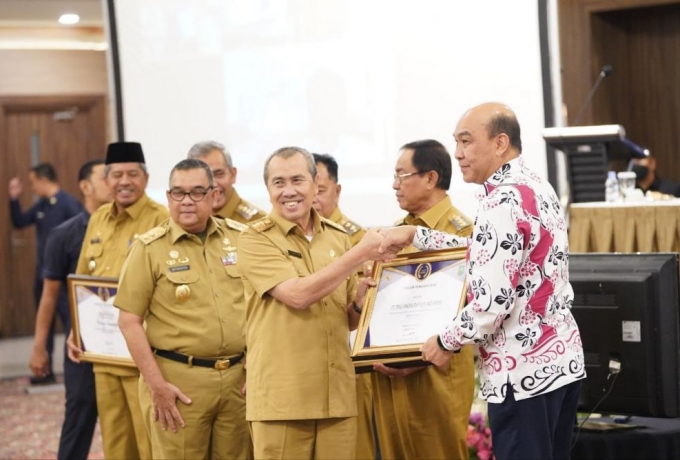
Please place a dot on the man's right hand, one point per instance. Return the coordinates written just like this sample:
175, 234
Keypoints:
371, 243
15, 188
72, 349
165, 410
39, 362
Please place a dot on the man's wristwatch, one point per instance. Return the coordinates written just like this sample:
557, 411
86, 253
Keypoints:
356, 308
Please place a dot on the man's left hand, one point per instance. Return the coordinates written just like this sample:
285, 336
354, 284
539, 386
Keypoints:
435, 355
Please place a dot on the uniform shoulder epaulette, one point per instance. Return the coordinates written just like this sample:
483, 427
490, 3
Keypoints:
400, 221
261, 225
459, 221
235, 225
332, 224
350, 227
246, 210
152, 235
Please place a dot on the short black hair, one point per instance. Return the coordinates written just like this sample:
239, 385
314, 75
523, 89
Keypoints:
506, 124
193, 163
431, 155
85, 171
329, 162
45, 170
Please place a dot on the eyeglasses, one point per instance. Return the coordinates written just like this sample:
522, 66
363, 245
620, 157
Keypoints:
197, 194
400, 177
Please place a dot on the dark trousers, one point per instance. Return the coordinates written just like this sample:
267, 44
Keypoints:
80, 416
537, 428
61, 310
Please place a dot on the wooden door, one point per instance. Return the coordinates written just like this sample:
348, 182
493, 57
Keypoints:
64, 131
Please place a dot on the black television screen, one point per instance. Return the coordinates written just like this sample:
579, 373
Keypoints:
626, 307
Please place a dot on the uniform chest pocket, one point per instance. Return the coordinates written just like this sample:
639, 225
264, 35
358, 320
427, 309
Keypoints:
232, 271
186, 277
95, 251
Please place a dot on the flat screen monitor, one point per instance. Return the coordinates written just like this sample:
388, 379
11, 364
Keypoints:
626, 307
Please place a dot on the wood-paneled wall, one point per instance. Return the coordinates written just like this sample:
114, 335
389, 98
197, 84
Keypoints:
641, 40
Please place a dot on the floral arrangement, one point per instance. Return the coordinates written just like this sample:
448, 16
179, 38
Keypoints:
479, 438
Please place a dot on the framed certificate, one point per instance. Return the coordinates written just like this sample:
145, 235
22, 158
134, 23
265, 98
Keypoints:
95, 320
416, 295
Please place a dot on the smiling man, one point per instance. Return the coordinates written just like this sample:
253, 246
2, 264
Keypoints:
182, 278
519, 299
227, 204
299, 275
110, 232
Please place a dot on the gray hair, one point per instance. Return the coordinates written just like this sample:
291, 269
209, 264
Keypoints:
287, 152
190, 164
203, 148
142, 166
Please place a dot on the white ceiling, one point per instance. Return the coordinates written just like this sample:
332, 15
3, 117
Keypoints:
45, 13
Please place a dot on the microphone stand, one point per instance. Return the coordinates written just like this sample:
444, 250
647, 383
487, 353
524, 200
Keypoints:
605, 71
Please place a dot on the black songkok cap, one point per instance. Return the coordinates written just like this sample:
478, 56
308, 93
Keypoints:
124, 152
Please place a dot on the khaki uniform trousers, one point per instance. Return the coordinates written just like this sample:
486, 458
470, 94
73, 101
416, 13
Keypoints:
120, 417
365, 438
215, 424
331, 438
425, 415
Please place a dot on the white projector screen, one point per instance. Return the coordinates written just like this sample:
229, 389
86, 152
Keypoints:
353, 78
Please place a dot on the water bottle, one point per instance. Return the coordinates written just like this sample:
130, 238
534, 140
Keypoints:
611, 188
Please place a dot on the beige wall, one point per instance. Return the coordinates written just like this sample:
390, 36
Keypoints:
51, 73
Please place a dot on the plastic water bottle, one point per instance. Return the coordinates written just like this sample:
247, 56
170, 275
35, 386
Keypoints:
611, 188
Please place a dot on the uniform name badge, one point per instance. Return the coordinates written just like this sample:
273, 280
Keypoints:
415, 297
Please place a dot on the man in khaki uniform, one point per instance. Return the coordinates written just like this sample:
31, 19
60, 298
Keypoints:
228, 204
299, 275
423, 412
111, 230
182, 277
326, 204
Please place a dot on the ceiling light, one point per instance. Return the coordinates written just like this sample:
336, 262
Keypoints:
69, 18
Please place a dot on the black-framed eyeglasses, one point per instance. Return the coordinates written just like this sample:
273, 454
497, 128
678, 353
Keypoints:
197, 194
400, 177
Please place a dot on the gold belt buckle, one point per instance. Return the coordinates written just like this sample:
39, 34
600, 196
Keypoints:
222, 364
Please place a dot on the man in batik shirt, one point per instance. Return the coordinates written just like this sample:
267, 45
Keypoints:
518, 297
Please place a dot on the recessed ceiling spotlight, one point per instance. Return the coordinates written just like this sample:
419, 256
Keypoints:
69, 19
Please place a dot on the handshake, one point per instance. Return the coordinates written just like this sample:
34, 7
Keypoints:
381, 244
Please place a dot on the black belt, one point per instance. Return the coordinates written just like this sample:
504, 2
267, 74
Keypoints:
219, 364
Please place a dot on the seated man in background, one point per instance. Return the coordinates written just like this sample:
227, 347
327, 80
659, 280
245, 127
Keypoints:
646, 177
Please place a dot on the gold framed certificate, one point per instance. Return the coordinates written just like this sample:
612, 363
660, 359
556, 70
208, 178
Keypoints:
95, 320
415, 296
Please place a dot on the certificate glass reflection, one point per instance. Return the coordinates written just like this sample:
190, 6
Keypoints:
416, 295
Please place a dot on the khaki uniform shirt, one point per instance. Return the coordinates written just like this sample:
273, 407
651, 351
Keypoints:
299, 366
239, 210
355, 231
442, 216
189, 292
107, 239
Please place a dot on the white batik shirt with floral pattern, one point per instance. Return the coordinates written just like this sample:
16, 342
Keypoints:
518, 291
